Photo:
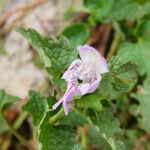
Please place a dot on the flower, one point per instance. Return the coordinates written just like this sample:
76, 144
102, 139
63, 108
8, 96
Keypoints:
83, 76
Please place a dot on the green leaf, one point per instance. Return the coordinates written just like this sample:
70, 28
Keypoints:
108, 127
124, 73
99, 9
106, 88
111, 10
96, 138
37, 107
138, 53
77, 33
6, 99
143, 96
56, 137
73, 119
90, 101
121, 78
101, 141
128, 9
91, 5
120, 145
56, 53
107, 123
77, 147
143, 29
104, 10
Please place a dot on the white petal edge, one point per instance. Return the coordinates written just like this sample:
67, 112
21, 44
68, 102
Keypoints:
68, 73
93, 58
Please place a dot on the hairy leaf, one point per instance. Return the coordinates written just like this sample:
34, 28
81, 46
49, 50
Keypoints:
37, 107
107, 123
137, 53
90, 101
121, 78
56, 137
73, 119
57, 53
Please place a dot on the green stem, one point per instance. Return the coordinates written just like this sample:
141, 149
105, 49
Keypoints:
16, 134
114, 45
83, 139
20, 120
116, 40
97, 117
57, 116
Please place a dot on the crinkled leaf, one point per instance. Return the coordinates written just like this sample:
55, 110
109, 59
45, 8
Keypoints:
77, 33
37, 107
96, 138
101, 141
73, 119
57, 53
137, 53
124, 73
90, 101
143, 96
107, 123
6, 99
121, 78
108, 127
56, 137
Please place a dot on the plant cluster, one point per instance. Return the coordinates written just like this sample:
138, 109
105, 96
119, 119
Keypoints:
116, 115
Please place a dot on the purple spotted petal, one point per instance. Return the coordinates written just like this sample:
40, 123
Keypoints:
95, 84
89, 87
68, 73
93, 58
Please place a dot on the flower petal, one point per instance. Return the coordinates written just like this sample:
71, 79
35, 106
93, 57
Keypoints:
74, 65
95, 84
93, 58
66, 107
84, 88
57, 103
68, 96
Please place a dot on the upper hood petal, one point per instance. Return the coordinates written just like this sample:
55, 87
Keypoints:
93, 58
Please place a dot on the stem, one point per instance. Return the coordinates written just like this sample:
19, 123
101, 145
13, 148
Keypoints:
97, 117
20, 120
114, 45
83, 137
115, 41
57, 116
16, 134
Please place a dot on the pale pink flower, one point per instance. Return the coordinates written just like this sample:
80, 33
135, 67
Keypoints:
83, 76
